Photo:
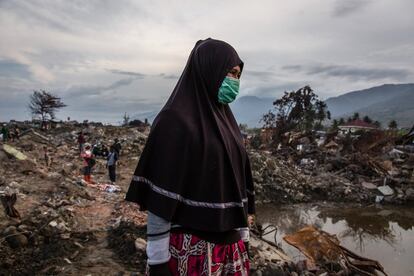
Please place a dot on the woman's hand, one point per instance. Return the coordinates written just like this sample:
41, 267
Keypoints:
251, 219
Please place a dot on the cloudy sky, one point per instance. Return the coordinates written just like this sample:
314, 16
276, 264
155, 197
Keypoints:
104, 58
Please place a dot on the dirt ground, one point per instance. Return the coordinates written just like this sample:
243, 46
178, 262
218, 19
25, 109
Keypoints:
67, 227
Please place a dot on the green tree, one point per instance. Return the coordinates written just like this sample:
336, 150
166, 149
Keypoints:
243, 127
355, 116
318, 126
393, 124
268, 120
335, 124
377, 124
367, 119
296, 110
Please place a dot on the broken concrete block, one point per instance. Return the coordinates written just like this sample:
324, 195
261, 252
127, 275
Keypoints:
378, 199
14, 238
386, 190
14, 152
17, 240
10, 230
140, 244
3, 157
369, 185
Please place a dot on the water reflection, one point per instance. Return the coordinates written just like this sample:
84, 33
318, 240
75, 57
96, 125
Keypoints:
385, 234
370, 224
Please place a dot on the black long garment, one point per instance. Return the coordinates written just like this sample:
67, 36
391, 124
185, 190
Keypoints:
194, 169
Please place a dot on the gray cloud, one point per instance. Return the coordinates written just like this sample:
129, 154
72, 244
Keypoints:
104, 57
352, 73
92, 91
257, 74
74, 15
13, 69
168, 76
128, 73
292, 67
346, 7
275, 90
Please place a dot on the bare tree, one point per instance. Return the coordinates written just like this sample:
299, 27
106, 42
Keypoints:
43, 105
125, 119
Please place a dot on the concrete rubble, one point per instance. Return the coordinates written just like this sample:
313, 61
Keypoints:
346, 169
67, 226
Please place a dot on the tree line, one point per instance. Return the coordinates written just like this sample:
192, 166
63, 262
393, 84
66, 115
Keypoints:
301, 110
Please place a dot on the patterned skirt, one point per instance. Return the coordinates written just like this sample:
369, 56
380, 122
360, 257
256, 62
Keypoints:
193, 256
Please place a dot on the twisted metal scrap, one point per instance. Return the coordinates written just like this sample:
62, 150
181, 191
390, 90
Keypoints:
320, 247
8, 202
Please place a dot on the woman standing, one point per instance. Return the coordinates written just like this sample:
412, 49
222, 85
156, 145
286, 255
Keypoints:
111, 164
88, 163
194, 175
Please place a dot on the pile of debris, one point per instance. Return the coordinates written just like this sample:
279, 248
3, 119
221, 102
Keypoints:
51, 222
363, 169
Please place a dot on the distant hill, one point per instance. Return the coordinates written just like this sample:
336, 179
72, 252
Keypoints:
247, 110
383, 103
250, 109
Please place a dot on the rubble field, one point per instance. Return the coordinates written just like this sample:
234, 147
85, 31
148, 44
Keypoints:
65, 226
366, 169
53, 223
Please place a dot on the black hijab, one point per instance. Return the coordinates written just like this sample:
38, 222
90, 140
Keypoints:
194, 169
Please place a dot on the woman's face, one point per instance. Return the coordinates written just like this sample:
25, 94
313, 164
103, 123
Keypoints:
235, 72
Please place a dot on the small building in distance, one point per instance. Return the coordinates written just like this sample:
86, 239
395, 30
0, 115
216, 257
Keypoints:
356, 125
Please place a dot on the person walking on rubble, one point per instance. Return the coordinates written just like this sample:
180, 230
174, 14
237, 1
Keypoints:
81, 141
14, 134
88, 163
5, 132
17, 133
46, 156
194, 175
111, 164
117, 146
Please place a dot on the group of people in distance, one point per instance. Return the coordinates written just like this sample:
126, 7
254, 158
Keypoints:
89, 153
10, 134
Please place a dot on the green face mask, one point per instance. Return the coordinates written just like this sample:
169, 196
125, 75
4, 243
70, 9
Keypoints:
228, 90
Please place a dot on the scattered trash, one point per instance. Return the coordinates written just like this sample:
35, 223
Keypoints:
61, 223
111, 188
62, 216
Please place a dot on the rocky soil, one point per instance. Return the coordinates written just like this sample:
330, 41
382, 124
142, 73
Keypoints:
384, 176
67, 227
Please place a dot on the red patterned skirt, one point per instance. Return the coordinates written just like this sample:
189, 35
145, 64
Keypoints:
193, 256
